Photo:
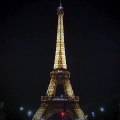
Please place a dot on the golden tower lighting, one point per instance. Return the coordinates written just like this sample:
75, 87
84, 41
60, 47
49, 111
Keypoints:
69, 103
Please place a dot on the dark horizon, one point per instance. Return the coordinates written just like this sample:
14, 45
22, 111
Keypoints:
92, 43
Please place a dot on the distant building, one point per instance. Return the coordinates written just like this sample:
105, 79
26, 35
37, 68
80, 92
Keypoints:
2, 113
119, 111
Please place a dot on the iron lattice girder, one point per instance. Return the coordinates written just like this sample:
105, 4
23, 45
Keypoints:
56, 106
59, 99
60, 74
71, 108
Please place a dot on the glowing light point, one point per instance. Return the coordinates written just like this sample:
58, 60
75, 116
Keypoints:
21, 108
102, 109
62, 114
61, 96
29, 113
86, 116
93, 114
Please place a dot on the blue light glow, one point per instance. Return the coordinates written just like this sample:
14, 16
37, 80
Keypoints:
102, 109
29, 113
93, 114
21, 108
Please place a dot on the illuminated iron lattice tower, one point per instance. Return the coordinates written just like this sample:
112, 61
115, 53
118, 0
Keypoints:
51, 103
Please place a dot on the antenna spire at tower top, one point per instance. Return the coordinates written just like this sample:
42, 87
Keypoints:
60, 3
60, 7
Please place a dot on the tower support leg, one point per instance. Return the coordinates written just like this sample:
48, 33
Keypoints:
79, 113
40, 112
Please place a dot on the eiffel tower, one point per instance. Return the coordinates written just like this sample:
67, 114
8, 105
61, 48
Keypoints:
68, 104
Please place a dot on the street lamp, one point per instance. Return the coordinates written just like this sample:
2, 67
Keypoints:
93, 114
102, 109
21, 108
29, 113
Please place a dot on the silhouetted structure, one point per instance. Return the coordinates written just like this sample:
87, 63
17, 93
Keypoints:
2, 113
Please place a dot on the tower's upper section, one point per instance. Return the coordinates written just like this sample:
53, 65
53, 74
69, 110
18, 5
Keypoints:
60, 9
60, 58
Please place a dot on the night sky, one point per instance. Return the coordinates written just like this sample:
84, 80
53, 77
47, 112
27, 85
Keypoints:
28, 39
